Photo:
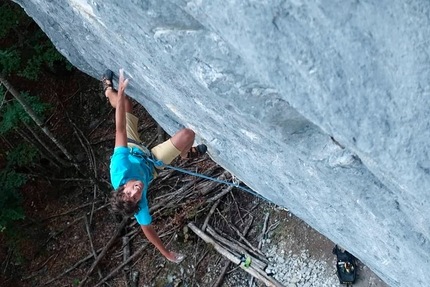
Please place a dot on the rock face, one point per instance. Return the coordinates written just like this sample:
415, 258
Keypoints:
320, 106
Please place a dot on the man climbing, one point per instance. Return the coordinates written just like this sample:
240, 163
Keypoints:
131, 171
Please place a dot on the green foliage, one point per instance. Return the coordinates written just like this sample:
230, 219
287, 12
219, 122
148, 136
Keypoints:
26, 49
10, 60
10, 199
14, 113
10, 182
22, 155
38, 107
44, 54
9, 18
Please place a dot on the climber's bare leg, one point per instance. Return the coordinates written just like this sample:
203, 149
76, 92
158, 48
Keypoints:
183, 141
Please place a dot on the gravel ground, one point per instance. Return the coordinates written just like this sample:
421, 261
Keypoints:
294, 270
299, 256
302, 270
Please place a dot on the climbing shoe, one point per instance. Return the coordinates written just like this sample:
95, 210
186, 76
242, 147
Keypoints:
197, 151
107, 76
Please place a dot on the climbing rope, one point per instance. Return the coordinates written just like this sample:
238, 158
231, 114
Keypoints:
235, 183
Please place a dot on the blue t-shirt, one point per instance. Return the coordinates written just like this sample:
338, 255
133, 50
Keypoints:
125, 166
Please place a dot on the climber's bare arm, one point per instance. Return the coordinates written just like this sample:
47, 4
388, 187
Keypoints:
120, 120
153, 237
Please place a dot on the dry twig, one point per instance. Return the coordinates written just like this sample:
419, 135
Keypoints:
240, 235
137, 253
221, 194
263, 232
72, 268
210, 214
104, 251
87, 227
69, 211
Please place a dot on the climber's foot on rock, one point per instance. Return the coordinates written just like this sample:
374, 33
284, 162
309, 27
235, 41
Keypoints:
197, 151
107, 82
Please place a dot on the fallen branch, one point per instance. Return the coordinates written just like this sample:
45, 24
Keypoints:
260, 275
201, 259
260, 243
213, 184
7, 260
137, 253
228, 263
272, 227
263, 232
221, 194
126, 249
94, 203
162, 204
210, 214
235, 248
221, 276
87, 227
255, 249
126, 255
135, 278
104, 251
72, 268
261, 257
70, 211
58, 233
56, 179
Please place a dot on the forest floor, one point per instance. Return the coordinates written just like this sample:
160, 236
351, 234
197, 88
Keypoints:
68, 218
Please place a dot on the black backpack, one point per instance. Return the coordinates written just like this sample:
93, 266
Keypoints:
345, 266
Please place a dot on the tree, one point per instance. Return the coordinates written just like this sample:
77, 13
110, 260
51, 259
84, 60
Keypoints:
10, 181
30, 112
26, 52
31, 51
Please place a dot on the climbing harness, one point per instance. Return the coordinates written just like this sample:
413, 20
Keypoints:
160, 164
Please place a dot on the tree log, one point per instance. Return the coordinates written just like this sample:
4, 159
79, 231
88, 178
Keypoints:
231, 246
268, 281
36, 119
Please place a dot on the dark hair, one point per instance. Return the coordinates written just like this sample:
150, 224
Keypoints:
127, 208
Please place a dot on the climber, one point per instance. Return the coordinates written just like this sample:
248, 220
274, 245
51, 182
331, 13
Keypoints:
130, 171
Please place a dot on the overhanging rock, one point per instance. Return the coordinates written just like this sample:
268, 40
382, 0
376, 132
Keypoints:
321, 107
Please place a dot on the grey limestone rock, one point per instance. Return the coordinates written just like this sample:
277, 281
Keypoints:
322, 107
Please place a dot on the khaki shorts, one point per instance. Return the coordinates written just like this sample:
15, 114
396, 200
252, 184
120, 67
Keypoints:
165, 151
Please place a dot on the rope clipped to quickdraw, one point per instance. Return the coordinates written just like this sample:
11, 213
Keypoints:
235, 183
159, 163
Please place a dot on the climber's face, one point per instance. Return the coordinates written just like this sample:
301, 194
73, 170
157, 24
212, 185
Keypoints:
133, 190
